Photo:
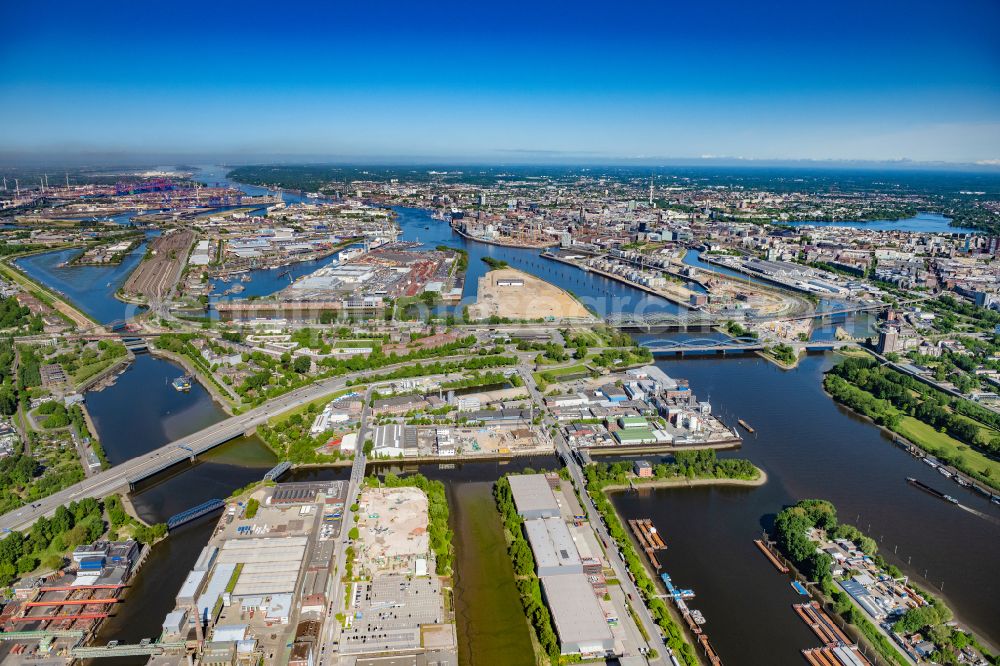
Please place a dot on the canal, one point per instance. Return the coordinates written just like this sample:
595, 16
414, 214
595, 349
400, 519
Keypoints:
490, 620
141, 411
152, 591
90, 288
808, 445
810, 448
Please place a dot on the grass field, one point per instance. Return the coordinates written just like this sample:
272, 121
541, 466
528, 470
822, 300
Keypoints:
939, 443
547, 376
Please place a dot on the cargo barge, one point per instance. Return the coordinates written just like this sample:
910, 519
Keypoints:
931, 491
692, 618
649, 539
771, 557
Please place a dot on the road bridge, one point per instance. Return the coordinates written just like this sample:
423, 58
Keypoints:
122, 477
147, 648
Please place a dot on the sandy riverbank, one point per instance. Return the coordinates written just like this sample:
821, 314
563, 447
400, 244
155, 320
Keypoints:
514, 294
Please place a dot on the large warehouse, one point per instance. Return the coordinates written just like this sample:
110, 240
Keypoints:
270, 565
553, 546
532, 496
578, 617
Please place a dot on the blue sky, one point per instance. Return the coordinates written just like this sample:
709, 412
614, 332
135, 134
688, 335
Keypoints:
506, 81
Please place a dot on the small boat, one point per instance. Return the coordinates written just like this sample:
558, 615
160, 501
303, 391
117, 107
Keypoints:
944, 472
745, 425
182, 383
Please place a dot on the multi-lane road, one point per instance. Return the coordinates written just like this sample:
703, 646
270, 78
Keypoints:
120, 476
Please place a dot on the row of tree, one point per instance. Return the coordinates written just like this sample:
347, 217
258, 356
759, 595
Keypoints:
528, 585
909, 396
438, 530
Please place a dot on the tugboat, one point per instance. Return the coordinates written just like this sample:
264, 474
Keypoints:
182, 383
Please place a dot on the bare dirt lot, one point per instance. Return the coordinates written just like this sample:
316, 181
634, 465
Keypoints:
517, 295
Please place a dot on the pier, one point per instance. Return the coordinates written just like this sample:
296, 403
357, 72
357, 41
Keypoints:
769, 554
692, 618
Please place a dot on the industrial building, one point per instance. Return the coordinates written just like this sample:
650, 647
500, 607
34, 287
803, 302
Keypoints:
270, 565
533, 496
577, 615
394, 441
553, 546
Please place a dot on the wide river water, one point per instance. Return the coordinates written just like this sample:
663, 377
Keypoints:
808, 446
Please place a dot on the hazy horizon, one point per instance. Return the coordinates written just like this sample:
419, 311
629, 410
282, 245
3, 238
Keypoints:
148, 161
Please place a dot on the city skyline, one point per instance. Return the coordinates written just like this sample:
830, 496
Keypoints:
901, 82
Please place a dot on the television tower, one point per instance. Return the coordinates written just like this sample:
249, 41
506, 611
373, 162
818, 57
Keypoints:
650, 190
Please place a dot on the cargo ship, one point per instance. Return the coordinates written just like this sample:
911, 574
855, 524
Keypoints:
182, 383
932, 491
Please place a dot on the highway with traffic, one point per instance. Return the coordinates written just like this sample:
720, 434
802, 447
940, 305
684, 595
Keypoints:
119, 477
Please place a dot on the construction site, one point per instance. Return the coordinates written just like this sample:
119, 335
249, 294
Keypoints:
397, 603
514, 294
